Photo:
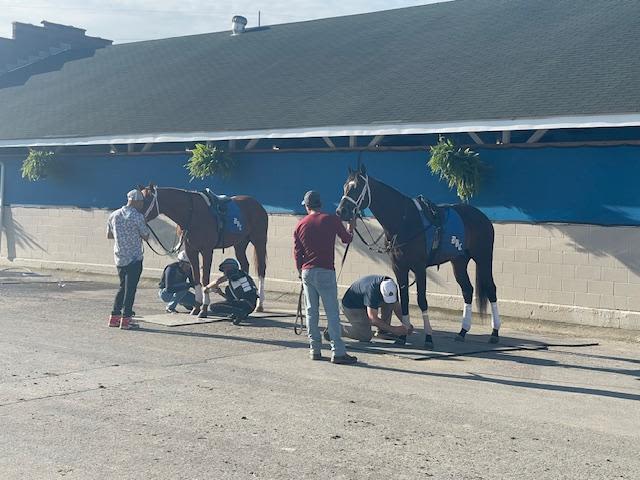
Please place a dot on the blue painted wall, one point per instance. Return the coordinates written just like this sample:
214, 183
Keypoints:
595, 185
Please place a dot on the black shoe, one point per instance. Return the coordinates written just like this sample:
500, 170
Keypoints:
345, 359
325, 335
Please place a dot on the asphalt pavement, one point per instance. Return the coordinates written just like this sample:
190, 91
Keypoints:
79, 400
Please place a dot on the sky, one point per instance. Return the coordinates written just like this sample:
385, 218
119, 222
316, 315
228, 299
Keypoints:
134, 20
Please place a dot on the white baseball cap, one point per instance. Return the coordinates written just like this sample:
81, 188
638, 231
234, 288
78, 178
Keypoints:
389, 291
135, 195
182, 257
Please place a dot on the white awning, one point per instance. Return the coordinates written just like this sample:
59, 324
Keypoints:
549, 123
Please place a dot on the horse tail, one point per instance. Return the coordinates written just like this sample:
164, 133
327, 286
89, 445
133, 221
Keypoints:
485, 286
481, 288
259, 241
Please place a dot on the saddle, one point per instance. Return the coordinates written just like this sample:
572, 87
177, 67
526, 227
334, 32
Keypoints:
219, 207
434, 215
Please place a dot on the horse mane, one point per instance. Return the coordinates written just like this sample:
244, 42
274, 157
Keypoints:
389, 188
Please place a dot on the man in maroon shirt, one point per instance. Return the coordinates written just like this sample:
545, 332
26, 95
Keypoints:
314, 251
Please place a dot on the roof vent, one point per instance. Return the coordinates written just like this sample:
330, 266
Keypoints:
237, 25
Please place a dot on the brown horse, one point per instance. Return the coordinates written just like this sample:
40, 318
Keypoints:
405, 233
198, 229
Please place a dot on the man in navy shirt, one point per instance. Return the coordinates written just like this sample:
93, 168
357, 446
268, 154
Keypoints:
371, 301
176, 283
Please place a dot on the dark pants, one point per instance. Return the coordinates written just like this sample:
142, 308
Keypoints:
129, 278
240, 309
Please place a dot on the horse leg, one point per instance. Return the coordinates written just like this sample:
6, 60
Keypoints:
194, 258
207, 259
260, 252
486, 289
241, 254
462, 277
421, 290
402, 277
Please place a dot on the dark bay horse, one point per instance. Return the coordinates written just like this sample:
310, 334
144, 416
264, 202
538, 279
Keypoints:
199, 231
405, 234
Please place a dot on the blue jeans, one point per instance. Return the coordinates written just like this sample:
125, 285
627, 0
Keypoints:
182, 297
320, 283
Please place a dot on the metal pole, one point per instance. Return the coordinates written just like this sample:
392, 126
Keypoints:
1, 202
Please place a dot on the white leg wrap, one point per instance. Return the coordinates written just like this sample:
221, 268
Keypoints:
206, 300
495, 317
260, 291
466, 317
198, 292
427, 325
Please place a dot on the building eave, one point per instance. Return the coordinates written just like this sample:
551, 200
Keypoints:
396, 128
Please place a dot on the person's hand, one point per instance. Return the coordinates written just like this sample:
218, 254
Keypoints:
351, 226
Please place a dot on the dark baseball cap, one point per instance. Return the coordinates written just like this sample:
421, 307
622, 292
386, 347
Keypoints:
312, 199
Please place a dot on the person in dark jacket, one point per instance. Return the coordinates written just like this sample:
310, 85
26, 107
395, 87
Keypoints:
241, 294
176, 283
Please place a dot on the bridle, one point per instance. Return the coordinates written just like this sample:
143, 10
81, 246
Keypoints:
155, 203
366, 191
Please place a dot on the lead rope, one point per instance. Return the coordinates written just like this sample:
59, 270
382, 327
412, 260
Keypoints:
298, 324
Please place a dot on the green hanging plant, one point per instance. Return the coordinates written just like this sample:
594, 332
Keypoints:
37, 165
462, 169
209, 161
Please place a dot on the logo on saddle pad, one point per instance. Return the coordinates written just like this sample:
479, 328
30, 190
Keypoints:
237, 223
456, 242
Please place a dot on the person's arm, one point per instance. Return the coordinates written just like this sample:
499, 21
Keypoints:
298, 252
397, 310
109, 230
215, 286
342, 232
143, 228
375, 320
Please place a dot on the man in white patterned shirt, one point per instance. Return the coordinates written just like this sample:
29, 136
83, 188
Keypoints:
127, 227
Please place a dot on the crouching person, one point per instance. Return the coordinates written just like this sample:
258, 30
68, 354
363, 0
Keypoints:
176, 283
371, 301
241, 294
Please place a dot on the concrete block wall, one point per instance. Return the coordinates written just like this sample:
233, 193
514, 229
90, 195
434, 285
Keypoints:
578, 274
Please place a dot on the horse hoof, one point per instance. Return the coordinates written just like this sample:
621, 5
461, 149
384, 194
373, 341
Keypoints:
494, 339
459, 338
202, 314
402, 340
195, 311
428, 345
259, 309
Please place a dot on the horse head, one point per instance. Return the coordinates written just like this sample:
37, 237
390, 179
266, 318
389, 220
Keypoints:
150, 207
356, 194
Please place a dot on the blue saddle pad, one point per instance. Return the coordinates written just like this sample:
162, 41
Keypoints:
233, 221
451, 237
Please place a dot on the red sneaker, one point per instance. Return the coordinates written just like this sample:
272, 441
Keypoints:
125, 323
114, 320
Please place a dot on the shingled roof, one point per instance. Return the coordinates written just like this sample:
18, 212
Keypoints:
464, 65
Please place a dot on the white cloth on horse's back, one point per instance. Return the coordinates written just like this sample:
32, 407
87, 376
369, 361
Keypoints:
128, 227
